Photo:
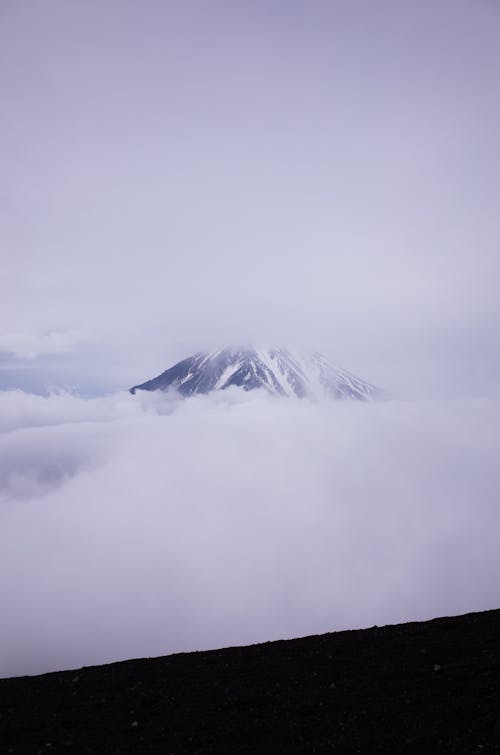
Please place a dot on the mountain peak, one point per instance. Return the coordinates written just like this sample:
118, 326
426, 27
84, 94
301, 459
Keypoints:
277, 370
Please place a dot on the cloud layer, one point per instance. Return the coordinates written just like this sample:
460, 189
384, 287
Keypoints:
136, 526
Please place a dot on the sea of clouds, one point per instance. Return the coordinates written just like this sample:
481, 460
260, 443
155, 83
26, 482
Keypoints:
144, 525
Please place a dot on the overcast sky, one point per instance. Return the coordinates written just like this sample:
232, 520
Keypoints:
176, 175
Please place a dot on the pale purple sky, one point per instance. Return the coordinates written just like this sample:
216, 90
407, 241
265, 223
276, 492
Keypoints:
176, 175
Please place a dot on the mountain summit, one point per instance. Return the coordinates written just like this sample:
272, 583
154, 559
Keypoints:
279, 371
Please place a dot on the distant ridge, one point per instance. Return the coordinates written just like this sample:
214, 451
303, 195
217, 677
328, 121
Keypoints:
279, 371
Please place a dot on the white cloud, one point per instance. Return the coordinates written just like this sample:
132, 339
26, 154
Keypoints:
31, 344
134, 526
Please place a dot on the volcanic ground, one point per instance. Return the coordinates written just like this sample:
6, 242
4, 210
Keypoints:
427, 687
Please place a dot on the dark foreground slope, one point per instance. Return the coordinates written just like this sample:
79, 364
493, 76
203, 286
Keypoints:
429, 687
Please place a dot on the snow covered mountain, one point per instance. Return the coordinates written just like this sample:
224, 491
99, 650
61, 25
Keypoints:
279, 371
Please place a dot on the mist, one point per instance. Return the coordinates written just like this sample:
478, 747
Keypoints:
135, 526
181, 176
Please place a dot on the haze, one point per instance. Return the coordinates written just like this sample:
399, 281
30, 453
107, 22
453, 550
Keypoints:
179, 176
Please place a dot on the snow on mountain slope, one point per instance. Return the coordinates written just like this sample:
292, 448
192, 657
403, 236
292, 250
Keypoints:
279, 371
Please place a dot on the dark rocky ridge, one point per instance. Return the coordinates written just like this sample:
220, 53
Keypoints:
430, 687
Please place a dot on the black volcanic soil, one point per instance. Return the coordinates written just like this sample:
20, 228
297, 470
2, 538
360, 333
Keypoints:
431, 687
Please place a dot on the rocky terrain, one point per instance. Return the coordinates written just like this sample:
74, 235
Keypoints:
430, 687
